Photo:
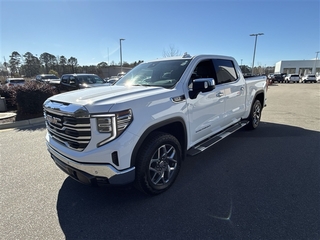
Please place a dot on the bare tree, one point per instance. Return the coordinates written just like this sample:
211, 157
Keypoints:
171, 52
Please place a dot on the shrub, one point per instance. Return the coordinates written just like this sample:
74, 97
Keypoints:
8, 94
29, 98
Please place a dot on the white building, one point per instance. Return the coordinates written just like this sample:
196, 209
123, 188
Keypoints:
301, 67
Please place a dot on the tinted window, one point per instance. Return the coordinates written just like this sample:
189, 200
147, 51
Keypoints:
64, 79
204, 69
72, 80
17, 81
225, 71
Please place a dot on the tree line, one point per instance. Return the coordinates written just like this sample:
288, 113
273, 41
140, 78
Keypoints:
29, 65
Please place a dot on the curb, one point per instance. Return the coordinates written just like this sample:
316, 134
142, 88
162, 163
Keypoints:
23, 123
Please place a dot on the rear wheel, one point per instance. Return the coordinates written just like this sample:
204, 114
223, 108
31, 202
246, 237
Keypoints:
255, 115
158, 163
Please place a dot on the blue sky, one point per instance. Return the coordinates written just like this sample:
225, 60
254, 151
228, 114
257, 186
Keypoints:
89, 30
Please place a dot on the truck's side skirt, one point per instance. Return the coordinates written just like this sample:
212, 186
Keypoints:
216, 138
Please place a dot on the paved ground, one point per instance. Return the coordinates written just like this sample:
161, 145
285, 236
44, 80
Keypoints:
261, 184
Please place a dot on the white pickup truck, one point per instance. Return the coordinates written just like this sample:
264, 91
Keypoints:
140, 129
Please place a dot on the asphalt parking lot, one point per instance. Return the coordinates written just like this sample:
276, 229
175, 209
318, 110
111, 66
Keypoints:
261, 184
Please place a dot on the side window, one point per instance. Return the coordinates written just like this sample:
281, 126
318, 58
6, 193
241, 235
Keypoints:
225, 71
65, 79
204, 69
72, 80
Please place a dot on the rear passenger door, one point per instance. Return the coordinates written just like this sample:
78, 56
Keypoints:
234, 87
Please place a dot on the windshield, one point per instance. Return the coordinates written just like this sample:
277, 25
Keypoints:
161, 74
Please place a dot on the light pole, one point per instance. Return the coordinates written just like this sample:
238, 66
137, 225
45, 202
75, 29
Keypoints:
121, 39
315, 63
254, 51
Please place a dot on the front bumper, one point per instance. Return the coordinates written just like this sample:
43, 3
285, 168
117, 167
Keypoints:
90, 173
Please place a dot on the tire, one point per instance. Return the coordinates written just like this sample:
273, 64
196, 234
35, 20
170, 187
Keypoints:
158, 163
255, 115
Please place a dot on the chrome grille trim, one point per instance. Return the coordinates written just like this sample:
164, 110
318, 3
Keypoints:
68, 124
53, 131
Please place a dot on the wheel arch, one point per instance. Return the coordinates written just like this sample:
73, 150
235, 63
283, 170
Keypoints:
259, 96
175, 127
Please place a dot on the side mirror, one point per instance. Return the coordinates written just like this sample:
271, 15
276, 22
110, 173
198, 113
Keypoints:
72, 82
201, 85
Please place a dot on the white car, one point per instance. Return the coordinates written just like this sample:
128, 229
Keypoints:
12, 82
295, 78
309, 78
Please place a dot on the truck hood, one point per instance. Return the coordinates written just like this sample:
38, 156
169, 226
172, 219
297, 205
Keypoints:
101, 99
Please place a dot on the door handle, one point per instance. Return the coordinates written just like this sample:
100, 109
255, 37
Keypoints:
219, 94
242, 88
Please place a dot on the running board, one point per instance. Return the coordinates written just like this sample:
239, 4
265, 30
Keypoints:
216, 138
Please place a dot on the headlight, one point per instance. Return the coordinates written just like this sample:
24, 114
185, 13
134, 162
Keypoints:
113, 124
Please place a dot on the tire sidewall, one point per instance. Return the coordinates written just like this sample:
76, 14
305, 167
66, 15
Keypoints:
143, 178
252, 124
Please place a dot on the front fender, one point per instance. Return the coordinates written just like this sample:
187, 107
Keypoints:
175, 126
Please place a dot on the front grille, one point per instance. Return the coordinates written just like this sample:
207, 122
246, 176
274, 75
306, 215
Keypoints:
72, 132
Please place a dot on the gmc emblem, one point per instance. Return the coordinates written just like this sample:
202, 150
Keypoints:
53, 120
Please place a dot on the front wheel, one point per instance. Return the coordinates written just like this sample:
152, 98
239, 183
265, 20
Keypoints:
158, 163
255, 115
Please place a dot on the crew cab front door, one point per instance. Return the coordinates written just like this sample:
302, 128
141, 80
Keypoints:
206, 110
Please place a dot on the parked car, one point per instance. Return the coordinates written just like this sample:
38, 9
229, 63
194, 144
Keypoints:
71, 82
295, 78
309, 78
121, 74
278, 78
111, 81
12, 82
50, 79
